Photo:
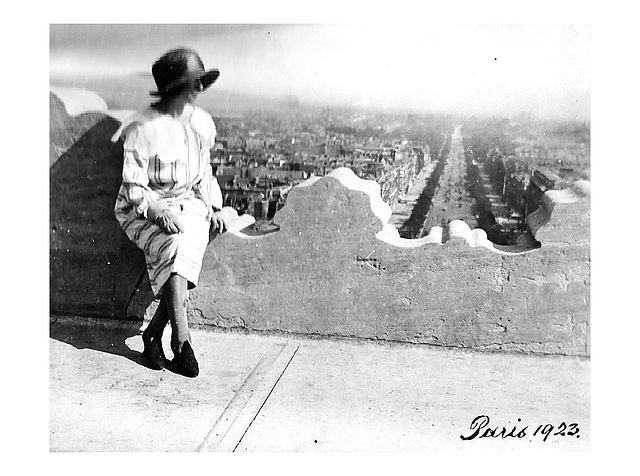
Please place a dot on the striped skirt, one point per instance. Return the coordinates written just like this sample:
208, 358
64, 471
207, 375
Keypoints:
165, 254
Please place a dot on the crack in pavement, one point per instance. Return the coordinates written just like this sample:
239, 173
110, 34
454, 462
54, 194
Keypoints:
241, 411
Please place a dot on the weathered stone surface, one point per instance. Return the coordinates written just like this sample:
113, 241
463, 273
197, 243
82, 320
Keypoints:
317, 276
564, 216
93, 266
333, 269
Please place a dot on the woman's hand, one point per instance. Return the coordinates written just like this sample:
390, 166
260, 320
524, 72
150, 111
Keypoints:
218, 223
169, 222
161, 215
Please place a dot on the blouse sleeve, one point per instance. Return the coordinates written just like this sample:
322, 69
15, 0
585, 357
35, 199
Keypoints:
135, 180
207, 189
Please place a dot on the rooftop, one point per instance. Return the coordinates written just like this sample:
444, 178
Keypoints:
270, 393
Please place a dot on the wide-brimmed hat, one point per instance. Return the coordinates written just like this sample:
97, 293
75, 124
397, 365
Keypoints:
178, 67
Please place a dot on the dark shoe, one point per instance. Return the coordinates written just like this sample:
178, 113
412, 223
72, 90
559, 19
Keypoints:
185, 361
153, 353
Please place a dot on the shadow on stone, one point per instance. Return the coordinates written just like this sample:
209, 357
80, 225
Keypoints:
108, 336
94, 268
98, 335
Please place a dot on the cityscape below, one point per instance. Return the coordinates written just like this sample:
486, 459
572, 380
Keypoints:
432, 168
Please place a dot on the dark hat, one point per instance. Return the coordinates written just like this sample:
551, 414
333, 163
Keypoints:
178, 67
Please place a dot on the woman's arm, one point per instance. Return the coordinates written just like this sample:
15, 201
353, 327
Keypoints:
209, 192
135, 179
207, 188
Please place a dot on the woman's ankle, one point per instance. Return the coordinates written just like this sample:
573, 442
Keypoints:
177, 341
152, 334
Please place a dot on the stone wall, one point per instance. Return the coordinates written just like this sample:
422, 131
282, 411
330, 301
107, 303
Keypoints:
92, 264
335, 268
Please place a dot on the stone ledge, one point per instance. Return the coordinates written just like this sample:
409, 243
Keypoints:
335, 268
564, 216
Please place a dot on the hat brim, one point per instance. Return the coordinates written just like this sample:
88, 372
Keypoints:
207, 79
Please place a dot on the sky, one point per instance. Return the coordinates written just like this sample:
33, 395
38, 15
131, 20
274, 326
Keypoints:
467, 69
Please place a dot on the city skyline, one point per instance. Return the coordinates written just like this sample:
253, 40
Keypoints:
461, 69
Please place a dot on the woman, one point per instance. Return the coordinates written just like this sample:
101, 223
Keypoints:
169, 199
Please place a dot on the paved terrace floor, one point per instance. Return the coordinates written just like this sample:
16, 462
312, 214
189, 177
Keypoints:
265, 393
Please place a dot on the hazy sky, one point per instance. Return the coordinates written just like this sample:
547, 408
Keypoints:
460, 68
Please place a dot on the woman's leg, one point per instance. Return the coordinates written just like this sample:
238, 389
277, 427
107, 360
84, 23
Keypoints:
175, 293
152, 337
159, 320
172, 308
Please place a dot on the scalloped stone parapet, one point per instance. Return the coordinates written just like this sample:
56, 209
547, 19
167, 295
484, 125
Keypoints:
78, 101
335, 268
328, 272
564, 216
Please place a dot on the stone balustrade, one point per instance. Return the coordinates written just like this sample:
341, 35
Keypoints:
335, 268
